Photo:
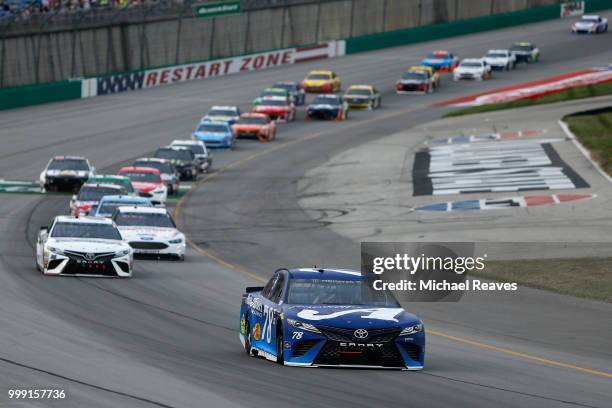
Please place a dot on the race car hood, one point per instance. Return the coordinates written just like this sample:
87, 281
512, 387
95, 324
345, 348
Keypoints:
351, 317
584, 24
67, 173
322, 107
434, 61
317, 82
364, 98
130, 233
211, 135
471, 70
85, 205
221, 118
268, 108
248, 127
412, 81
496, 60
87, 245
144, 187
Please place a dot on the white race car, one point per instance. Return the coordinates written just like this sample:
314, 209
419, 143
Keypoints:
65, 173
83, 246
472, 68
500, 59
590, 24
150, 231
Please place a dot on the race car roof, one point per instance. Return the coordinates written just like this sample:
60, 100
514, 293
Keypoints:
102, 185
319, 71
220, 107
441, 53
141, 209
125, 199
471, 60
254, 115
108, 177
151, 159
132, 169
331, 274
69, 158
83, 220
368, 87
499, 51
186, 142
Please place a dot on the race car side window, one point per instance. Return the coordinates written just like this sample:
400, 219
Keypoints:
268, 288
277, 291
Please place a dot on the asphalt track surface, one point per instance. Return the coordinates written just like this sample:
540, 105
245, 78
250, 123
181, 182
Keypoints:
168, 336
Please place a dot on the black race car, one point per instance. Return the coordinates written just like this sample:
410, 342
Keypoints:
327, 107
183, 160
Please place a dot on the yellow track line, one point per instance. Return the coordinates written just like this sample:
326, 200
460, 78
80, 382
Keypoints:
252, 275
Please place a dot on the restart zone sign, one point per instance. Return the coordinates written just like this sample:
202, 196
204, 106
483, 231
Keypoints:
218, 9
200, 70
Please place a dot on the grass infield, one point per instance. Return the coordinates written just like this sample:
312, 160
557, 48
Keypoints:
594, 131
589, 278
581, 92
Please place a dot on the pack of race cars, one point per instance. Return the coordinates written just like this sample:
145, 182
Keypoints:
301, 317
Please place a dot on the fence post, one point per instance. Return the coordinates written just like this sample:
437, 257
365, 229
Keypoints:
420, 6
178, 34
246, 32
212, 39
3, 56
352, 16
318, 22
384, 17
282, 36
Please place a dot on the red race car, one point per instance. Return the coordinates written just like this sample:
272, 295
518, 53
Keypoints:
256, 125
148, 182
277, 108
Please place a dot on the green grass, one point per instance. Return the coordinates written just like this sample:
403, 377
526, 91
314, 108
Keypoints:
594, 131
582, 277
581, 92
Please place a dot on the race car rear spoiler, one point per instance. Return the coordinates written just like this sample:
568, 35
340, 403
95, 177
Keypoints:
251, 289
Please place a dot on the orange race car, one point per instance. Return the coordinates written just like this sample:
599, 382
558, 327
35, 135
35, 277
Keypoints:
257, 125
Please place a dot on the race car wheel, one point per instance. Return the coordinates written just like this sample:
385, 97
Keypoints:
247, 336
280, 351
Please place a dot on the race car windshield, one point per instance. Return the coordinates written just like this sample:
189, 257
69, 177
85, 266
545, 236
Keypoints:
211, 127
415, 75
85, 230
174, 154
277, 92
496, 55
319, 77
144, 220
437, 55
143, 177
165, 168
68, 164
274, 102
221, 112
471, 64
517, 47
323, 100
252, 121
590, 19
337, 292
288, 87
195, 149
96, 193
364, 92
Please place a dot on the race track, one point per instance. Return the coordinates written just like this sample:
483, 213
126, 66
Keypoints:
169, 336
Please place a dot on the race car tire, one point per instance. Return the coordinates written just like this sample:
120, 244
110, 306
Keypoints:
247, 336
280, 350
37, 265
180, 258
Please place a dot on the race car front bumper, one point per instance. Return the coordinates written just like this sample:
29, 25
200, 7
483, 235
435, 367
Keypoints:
159, 248
60, 183
157, 198
322, 114
73, 263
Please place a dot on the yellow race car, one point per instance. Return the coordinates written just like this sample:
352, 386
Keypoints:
433, 75
321, 82
362, 97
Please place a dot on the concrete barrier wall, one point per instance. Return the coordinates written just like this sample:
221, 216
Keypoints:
59, 53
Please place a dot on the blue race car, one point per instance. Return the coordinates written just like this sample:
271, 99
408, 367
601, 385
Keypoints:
215, 134
441, 61
327, 106
327, 317
107, 205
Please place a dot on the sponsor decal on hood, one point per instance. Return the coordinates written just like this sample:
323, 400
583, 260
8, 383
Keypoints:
387, 314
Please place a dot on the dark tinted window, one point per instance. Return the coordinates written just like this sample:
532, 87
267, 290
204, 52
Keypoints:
337, 292
141, 176
144, 220
162, 167
85, 230
175, 154
68, 164
96, 193
326, 100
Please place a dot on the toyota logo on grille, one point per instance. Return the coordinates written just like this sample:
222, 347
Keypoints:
360, 333
89, 256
